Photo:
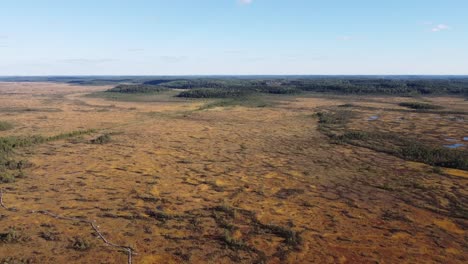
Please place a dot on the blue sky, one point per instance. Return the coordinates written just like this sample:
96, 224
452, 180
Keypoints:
192, 37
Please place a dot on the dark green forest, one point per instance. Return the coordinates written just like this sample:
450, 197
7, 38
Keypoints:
236, 87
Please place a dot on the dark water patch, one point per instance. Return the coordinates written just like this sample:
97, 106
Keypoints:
454, 146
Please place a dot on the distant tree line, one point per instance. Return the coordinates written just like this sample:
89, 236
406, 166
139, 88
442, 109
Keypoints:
234, 87
213, 93
137, 88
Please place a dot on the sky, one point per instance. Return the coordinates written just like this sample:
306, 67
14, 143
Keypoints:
233, 37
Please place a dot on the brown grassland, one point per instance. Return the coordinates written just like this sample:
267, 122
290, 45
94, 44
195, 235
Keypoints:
185, 181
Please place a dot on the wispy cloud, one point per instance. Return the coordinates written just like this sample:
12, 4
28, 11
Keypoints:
245, 2
440, 27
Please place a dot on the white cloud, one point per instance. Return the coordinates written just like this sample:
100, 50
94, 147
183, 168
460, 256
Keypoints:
440, 27
245, 2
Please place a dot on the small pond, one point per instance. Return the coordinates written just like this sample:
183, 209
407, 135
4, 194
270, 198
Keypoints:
454, 146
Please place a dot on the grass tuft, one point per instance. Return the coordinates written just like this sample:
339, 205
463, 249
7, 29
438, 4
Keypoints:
103, 139
80, 244
4, 126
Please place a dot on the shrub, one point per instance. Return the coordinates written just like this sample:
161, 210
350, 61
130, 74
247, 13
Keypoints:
12, 260
80, 244
103, 139
12, 236
7, 177
50, 236
232, 242
291, 237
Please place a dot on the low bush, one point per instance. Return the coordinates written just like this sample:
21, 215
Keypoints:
7, 176
13, 260
103, 139
80, 244
12, 236
232, 242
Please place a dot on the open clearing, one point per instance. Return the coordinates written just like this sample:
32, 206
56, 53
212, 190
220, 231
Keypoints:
180, 182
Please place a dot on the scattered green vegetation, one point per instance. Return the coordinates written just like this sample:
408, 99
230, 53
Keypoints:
394, 216
10, 169
80, 244
335, 118
5, 125
330, 123
7, 144
291, 237
12, 236
50, 236
232, 242
160, 215
69, 135
251, 101
437, 170
418, 106
7, 176
28, 109
407, 148
102, 139
333, 124
13, 260
227, 209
